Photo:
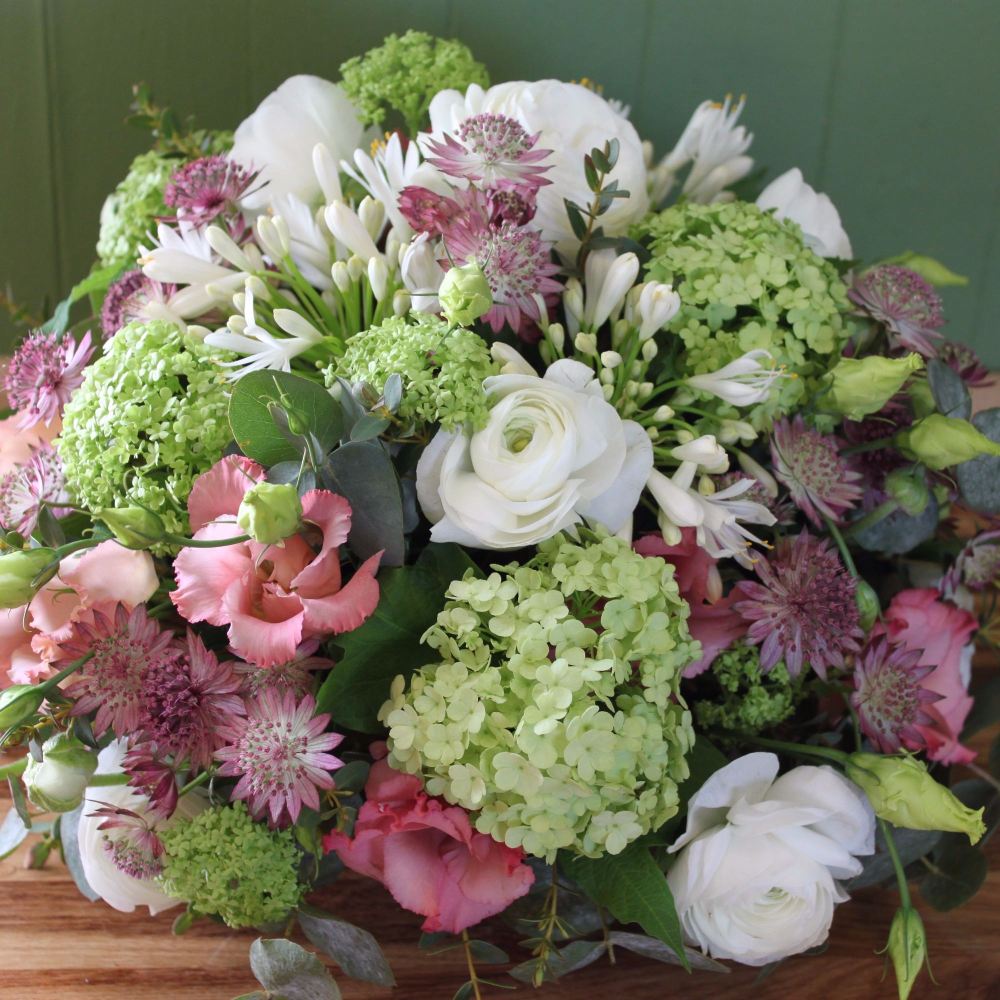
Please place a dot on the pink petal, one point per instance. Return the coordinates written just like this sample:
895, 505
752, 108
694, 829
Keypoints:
111, 573
332, 515
220, 491
347, 609
205, 575
17, 444
414, 872
263, 642
716, 626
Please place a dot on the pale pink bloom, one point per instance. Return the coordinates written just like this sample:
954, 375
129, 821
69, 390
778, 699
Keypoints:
271, 597
17, 443
25, 487
44, 372
427, 854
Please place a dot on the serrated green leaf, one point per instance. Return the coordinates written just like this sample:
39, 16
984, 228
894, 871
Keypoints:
288, 971
352, 948
388, 643
12, 833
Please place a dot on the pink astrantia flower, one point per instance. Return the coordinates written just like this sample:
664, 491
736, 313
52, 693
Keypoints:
429, 857
135, 297
965, 363
204, 189
819, 479
24, 489
803, 610
904, 303
919, 620
152, 777
138, 850
124, 647
44, 372
278, 751
271, 597
297, 675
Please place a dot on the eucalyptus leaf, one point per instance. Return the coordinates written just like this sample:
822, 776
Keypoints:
464, 992
487, 953
352, 948
877, 868
352, 776
651, 948
948, 389
291, 473
576, 955
288, 971
20, 802
979, 478
392, 392
69, 826
898, 532
12, 833
958, 874
369, 427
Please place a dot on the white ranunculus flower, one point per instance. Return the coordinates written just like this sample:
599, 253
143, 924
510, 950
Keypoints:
118, 889
756, 876
279, 137
554, 452
571, 120
792, 198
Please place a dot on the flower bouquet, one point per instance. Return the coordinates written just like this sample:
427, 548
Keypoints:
429, 481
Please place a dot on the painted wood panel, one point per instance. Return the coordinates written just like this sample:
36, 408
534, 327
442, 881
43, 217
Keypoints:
889, 105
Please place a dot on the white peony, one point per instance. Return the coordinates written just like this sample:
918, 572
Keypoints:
554, 452
278, 139
571, 120
119, 890
792, 198
756, 876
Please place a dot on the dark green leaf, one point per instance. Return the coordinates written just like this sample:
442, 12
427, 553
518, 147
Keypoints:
590, 172
433, 941
600, 160
651, 948
878, 868
352, 776
290, 972
958, 874
12, 833
389, 642
948, 389
60, 318
634, 889
979, 478
464, 992
254, 428
369, 426
488, 954
20, 802
68, 829
363, 473
352, 948
182, 923
576, 221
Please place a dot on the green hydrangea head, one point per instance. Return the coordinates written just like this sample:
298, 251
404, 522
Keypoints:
131, 210
747, 699
442, 368
405, 72
150, 417
553, 712
747, 281
224, 864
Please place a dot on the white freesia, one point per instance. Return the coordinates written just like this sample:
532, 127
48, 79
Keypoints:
279, 137
421, 273
756, 876
792, 198
119, 890
608, 278
651, 306
715, 146
705, 452
553, 453
511, 361
571, 120
742, 382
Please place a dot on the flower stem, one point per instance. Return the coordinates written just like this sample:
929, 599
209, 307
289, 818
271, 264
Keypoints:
845, 552
195, 782
13, 769
897, 864
205, 543
106, 780
473, 978
805, 749
876, 514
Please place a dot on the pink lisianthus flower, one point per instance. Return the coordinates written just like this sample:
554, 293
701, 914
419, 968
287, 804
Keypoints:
271, 597
712, 621
428, 856
920, 620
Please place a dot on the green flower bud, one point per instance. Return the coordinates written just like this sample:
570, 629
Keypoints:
270, 512
465, 294
18, 704
868, 603
939, 441
58, 782
902, 792
907, 948
859, 386
22, 573
909, 489
133, 527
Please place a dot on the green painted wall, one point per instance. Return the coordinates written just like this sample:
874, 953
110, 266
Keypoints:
888, 105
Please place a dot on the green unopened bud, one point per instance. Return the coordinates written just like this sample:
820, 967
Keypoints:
18, 704
859, 386
939, 441
270, 512
902, 792
57, 783
23, 573
909, 489
907, 948
465, 294
133, 527
868, 603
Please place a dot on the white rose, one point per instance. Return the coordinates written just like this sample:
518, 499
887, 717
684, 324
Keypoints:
278, 139
792, 198
554, 452
572, 120
115, 887
755, 879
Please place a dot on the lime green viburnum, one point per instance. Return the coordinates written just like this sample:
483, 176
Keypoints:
747, 281
224, 864
149, 418
442, 368
553, 713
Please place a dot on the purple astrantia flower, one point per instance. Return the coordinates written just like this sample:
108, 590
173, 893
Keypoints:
151, 776
188, 701
297, 675
204, 189
137, 850
965, 363
44, 372
803, 610
488, 148
279, 754
125, 646
135, 297
24, 489
809, 463
977, 565
904, 303
888, 696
